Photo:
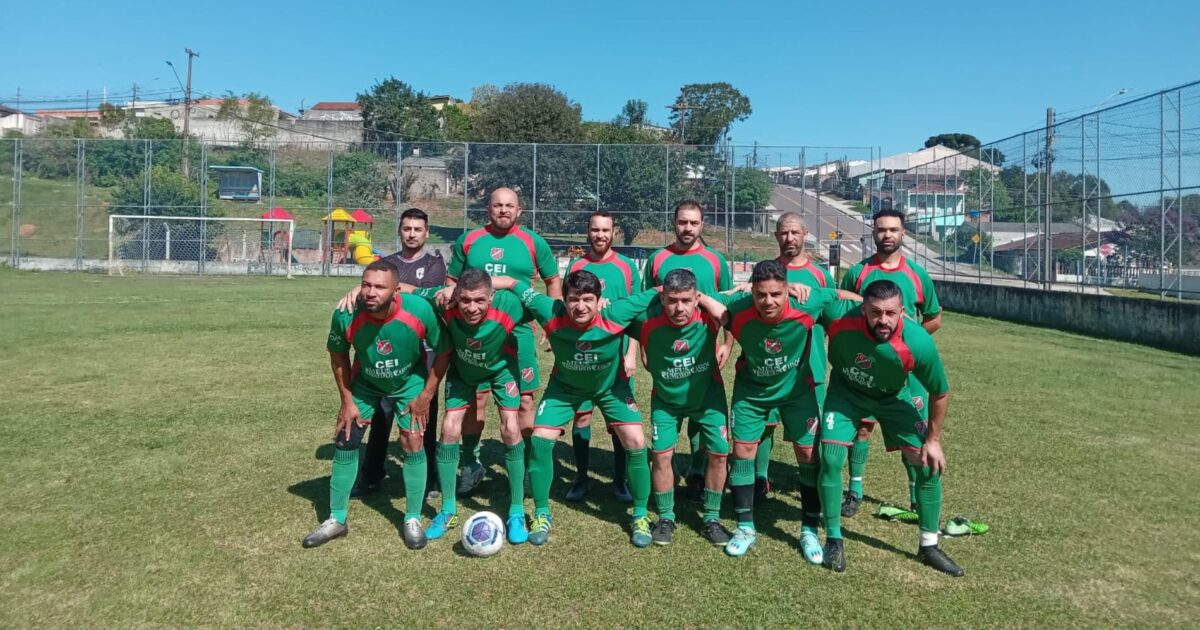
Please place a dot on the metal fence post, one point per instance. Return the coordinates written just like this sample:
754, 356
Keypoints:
535, 196
18, 159
80, 175
466, 179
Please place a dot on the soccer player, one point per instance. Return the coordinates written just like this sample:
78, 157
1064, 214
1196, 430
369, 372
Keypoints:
680, 341
388, 333
790, 234
773, 330
712, 275
503, 248
421, 268
619, 278
586, 341
875, 351
479, 325
920, 302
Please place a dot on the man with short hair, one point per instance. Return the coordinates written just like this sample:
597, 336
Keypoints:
876, 351
712, 275
388, 333
920, 302
504, 248
619, 278
586, 341
680, 341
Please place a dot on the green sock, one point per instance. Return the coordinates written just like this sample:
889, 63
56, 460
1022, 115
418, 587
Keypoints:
762, 460
447, 468
698, 463
637, 473
712, 504
741, 481
470, 451
829, 486
416, 472
541, 473
666, 504
858, 465
514, 463
341, 481
929, 493
912, 473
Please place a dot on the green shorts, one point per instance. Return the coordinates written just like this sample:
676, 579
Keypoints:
586, 407
530, 375
559, 407
502, 384
799, 414
710, 419
369, 402
903, 427
919, 394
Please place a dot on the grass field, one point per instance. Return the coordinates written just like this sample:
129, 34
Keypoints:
165, 448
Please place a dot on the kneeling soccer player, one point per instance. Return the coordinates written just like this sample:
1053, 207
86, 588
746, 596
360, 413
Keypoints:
587, 346
873, 348
388, 334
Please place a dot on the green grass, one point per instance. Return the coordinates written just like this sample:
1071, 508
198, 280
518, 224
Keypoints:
165, 448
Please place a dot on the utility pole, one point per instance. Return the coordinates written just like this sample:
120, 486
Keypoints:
187, 109
1048, 267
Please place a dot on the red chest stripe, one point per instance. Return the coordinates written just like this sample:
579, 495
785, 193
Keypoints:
401, 315
751, 314
859, 323
903, 268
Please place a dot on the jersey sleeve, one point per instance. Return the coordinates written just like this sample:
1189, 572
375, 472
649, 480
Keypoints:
930, 307
458, 258
624, 310
829, 281
428, 294
338, 342
547, 265
725, 276
539, 306
927, 362
837, 309
818, 300
849, 278
435, 335
634, 329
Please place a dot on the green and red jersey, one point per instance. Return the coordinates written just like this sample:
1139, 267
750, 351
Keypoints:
878, 369
586, 359
772, 350
682, 359
916, 287
815, 277
711, 268
618, 274
484, 348
389, 355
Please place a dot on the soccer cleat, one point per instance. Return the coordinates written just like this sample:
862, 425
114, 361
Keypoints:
895, 513
762, 488
716, 533
835, 555
363, 488
963, 526
579, 489
414, 534
933, 556
621, 493
743, 539
810, 546
664, 531
325, 532
640, 536
517, 533
850, 504
695, 488
540, 532
469, 479
440, 525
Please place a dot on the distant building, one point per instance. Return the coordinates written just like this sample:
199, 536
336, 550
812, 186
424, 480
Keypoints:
238, 183
18, 121
333, 110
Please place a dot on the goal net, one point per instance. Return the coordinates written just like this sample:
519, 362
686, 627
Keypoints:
213, 245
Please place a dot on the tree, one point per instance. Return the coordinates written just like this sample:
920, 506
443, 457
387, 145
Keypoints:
394, 111
964, 239
985, 191
360, 179
704, 112
992, 156
529, 112
752, 193
111, 116
456, 124
633, 114
958, 141
172, 195
253, 115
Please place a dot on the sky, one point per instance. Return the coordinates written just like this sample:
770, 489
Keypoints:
844, 74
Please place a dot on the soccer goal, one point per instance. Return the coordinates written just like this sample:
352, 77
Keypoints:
198, 245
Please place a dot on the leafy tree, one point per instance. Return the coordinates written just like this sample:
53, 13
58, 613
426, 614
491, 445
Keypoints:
633, 114
985, 190
637, 185
529, 112
752, 193
111, 116
172, 195
456, 124
964, 240
704, 112
360, 179
393, 110
958, 141
253, 114
992, 156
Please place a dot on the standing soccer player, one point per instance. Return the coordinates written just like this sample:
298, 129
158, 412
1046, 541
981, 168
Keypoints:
773, 330
503, 248
388, 334
586, 341
680, 343
712, 275
920, 302
619, 278
875, 351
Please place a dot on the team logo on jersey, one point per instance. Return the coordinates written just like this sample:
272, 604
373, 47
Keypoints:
583, 346
510, 388
527, 375
383, 346
774, 346
724, 432
863, 361
812, 425
474, 343
420, 273
919, 402
602, 285
922, 427
631, 403
497, 253
681, 345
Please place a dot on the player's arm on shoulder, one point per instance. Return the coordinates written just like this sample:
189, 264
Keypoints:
625, 309
714, 307
932, 324
458, 259
537, 305
835, 310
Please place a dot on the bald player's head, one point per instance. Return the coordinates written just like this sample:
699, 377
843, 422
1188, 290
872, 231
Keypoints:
790, 234
504, 208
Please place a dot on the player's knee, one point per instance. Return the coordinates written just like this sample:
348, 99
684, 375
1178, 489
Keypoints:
745, 450
864, 431
662, 459
583, 420
911, 457
805, 454
718, 451
412, 441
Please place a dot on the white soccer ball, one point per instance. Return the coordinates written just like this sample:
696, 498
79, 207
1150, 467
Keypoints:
483, 534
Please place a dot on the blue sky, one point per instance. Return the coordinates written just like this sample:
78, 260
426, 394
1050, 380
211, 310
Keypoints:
884, 74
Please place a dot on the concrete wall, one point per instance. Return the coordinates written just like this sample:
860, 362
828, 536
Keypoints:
1170, 325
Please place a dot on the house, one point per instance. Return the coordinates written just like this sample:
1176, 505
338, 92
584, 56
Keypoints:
1021, 256
15, 120
333, 110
